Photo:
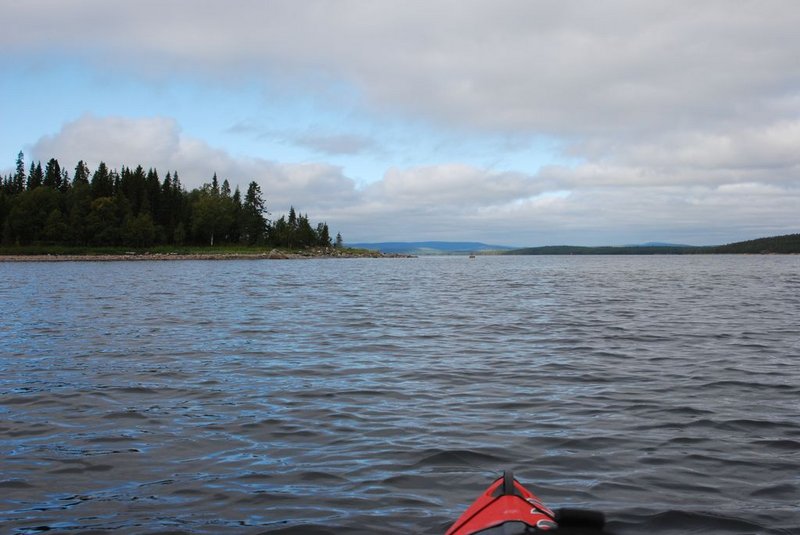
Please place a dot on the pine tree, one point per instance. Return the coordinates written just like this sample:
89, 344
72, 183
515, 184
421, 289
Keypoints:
238, 211
19, 175
323, 235
102, 182
153, 192
65, 185
254, 225
35, 176
81, 174
52, 174
133, 184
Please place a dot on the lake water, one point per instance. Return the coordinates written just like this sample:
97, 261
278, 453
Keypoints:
383, 395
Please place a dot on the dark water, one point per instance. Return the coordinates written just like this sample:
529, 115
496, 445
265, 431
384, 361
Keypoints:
381, 396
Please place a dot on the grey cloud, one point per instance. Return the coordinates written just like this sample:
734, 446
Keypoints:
566, 68
245, 128
335, 144
330, 144
447, 184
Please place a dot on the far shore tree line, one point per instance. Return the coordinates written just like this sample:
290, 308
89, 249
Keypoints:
137, 208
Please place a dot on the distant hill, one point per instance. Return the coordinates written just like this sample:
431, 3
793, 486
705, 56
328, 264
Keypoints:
786, 244
657, 244
431, 247
607, 250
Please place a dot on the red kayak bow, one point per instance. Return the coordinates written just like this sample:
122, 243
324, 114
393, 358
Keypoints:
508, 508
505, 501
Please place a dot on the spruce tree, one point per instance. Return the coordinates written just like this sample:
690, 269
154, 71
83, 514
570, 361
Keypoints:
102, 182
153, 192
35, 176
323, 235
81, 174
19, 175
65, 185
253, 209
52, 174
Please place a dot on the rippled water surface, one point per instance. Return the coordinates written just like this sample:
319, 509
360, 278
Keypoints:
382, 395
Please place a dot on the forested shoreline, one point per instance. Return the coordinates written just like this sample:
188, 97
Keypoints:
137, 208
785, 244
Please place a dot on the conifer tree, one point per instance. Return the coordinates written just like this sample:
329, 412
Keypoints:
102, 182
81, 174
65, 185
19, 175
323, 235
236, 232
52, 174
153, 192
254, 225
35, 176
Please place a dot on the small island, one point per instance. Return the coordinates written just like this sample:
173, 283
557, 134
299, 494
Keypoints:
133, 214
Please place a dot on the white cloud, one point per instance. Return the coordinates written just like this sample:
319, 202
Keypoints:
116, 140
159, 143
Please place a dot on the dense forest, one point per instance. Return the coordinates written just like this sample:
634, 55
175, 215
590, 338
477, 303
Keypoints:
137, 208
787, 244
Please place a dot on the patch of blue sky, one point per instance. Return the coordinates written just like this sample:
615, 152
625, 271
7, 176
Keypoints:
250, 118
33, 99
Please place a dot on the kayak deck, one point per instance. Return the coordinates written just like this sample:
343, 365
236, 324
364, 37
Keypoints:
505, 507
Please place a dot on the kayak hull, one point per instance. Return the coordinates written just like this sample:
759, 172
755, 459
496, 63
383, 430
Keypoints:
506, 501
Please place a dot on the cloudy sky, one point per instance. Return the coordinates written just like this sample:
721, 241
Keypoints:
525, 122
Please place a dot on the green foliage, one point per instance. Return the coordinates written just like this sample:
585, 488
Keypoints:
29, 214
135, 209
212, 216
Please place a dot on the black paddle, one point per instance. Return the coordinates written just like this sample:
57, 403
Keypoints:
580, 521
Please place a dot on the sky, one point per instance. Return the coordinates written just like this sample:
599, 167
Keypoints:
512, 122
